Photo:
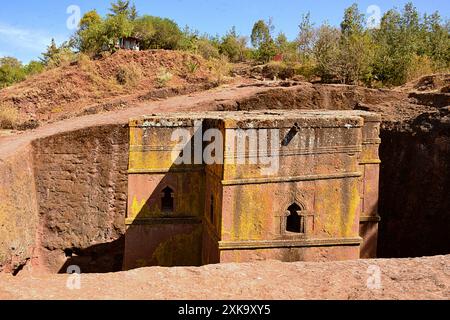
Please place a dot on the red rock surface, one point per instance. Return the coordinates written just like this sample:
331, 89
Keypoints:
420, 278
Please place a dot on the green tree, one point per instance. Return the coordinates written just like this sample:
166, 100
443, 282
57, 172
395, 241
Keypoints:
436, 40
114, 28
400, 42
89, 37
90, 19
389, 65
306, 36
287, 48
326, 53
133, 14
262, 40
144, 29
355, 48
260, 34
57, 56
189, 40
11, 71
34, 67
157, 33
353, 21
233, 46
50, 54
120, 7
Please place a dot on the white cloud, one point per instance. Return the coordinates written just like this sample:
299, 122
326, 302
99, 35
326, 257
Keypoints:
24, 38
22, 42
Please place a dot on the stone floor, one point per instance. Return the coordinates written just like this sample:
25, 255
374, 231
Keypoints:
420, 278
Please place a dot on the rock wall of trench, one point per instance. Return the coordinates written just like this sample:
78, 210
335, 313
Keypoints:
81, 183
415, 188
18, 210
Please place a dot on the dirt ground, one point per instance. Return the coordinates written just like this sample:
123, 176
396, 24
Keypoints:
421, 278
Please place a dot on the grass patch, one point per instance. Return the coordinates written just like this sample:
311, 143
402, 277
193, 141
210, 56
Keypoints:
9, 117
129, 75
163, 77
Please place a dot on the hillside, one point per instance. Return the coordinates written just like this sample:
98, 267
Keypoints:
107, 84
129, 78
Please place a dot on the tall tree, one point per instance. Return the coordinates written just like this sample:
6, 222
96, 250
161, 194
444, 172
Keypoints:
133, 14
353, 21
306, 35
89, 37
50, 53
233, 46
438, 41
260, 33
355, 48
326, 52
262, 40
89, 19
120, 7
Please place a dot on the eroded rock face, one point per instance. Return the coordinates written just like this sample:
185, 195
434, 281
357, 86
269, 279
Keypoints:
18, 210
415, 184
421, 278
82, 190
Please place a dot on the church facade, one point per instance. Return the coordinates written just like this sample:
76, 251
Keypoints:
288, 185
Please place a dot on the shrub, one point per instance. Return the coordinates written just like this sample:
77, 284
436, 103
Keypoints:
207, 49
219, 68
11, 71
157, 33
419, 66
308, 69
280, 70
9, 117
85, 63
129, 75
163, 77
192, 67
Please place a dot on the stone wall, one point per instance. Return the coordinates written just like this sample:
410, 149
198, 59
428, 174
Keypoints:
18, 210
81, 186
415, 184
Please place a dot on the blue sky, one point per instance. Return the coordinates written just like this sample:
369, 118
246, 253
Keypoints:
26, 27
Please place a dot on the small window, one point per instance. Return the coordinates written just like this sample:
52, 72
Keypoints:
294, 222
211, 210
167, 201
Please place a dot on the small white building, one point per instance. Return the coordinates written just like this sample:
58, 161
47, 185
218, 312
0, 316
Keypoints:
129, 43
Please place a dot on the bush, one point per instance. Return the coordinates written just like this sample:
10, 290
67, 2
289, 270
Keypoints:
11, 71
219, 68
157, 33
233, 46
129, 75
163, 77
207, 49
279, 70
419, 66
9, 117
84, 62
34, 67
192, 67
308, 69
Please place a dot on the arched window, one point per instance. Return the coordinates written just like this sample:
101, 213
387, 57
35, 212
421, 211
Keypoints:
167, 200
294, 222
